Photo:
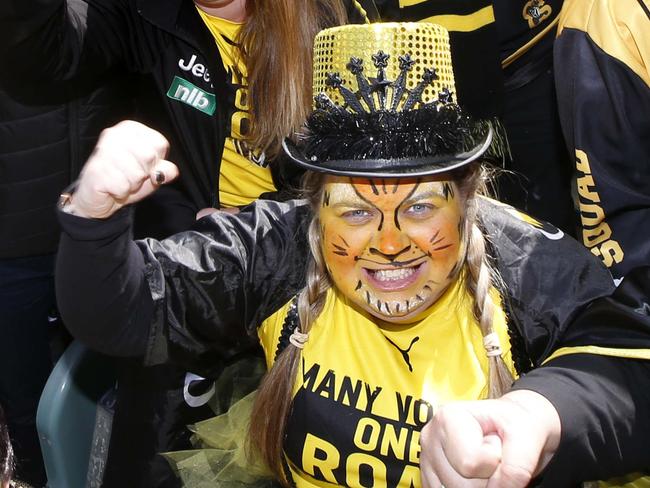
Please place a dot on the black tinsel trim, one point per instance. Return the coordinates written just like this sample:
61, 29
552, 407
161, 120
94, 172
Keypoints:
431, 130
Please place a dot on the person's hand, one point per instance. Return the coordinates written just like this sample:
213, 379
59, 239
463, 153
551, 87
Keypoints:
499, 443
127, 165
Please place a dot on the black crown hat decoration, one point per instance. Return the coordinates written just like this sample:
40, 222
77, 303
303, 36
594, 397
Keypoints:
385, 105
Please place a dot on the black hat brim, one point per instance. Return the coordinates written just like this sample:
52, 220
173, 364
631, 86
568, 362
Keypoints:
389, 168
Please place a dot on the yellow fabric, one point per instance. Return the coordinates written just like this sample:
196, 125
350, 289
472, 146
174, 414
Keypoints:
602, 351
362, 11
345, 345
618, 27
408, 3
458, 23
221, 456
244, 174
630, 481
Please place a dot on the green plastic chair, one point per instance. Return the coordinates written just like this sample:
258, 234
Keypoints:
68, 415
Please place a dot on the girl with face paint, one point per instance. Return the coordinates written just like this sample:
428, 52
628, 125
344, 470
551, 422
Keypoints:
392, 291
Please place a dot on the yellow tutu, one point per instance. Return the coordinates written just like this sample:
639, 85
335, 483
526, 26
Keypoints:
222, 457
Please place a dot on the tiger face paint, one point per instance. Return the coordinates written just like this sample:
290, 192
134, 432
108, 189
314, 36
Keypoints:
390, 245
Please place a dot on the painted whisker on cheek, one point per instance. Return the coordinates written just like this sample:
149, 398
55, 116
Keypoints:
368, 297
344, 241
439, 240
440, 248
340, 248
435, 236
358, 286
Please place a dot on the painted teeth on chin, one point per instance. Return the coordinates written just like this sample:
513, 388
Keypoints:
392, 274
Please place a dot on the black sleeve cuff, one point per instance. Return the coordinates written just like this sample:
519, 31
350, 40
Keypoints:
83, 229
604, 411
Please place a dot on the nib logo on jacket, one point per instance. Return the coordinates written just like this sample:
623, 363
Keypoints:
190, 94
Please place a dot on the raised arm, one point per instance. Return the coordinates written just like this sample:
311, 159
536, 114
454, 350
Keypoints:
195, 298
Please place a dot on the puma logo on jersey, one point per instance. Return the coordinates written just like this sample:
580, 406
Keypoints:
197, 69
184, 91
405, 352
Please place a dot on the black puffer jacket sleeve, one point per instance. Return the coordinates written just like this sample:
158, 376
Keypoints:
194, 299
54, 40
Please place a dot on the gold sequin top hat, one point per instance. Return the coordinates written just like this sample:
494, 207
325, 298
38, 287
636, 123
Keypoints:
385, 105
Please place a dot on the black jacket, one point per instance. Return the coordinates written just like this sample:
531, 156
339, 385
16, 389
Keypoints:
602, 63
59, 39
46, 134
171, 307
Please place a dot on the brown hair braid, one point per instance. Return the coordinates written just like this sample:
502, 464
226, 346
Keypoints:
481, 276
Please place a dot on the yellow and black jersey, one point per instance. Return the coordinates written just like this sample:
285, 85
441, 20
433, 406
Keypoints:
602, 60
244, 174
364, 390
362, 407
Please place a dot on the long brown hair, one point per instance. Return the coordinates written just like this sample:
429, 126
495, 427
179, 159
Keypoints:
273, 403
277, 41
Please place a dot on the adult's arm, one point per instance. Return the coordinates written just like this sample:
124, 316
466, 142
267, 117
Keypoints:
601, 57
52, 40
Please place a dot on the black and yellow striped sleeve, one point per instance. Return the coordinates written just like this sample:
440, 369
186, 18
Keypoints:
602, 71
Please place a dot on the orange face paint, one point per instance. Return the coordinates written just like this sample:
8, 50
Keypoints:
390, 245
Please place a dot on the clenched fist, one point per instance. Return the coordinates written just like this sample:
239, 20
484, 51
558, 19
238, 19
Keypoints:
500, 443
127, 165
